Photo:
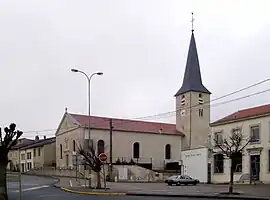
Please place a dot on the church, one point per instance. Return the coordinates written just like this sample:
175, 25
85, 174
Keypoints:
149, 144
132, 139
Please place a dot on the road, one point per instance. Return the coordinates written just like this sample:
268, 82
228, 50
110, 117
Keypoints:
42, 188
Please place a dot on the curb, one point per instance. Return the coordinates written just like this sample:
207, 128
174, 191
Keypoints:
162, 195
199, 196
55, 184
94, 193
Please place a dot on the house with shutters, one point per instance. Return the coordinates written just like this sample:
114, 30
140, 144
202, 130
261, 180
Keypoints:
38, 154
255, 161
13, 154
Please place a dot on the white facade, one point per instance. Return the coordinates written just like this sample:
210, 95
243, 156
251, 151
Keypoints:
151, 145
261, 148
195, 163
26, 159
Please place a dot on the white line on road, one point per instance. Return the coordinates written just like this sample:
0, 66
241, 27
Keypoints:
33, 188
51, 195
70, 183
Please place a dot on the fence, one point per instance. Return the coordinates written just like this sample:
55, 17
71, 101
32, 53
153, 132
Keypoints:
130, 160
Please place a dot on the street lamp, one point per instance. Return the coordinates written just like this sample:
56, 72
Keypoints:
89, 107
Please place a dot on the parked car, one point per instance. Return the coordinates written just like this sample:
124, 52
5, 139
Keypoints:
181, 180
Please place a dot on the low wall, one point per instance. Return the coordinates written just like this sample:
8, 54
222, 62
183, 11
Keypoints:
134, 173
121, 173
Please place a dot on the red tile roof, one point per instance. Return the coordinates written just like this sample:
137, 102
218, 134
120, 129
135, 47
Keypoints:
127, 125
245, 114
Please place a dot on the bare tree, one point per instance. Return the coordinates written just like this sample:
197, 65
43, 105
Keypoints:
92, 160
8, 139
232, 148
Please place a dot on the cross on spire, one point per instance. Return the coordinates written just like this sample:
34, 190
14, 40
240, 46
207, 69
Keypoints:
192, 22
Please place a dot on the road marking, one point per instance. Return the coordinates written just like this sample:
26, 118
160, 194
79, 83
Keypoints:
70, 183
33, 188
50, 195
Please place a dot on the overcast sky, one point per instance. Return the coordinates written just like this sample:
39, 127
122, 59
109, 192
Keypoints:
141, 46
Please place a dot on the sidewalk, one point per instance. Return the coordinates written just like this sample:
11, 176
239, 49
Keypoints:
161, 189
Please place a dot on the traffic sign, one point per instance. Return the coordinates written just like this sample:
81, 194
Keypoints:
102, 157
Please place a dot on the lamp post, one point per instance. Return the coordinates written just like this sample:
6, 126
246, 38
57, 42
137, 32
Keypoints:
89, 107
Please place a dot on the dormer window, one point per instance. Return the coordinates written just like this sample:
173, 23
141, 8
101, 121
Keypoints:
200, 99
183, 100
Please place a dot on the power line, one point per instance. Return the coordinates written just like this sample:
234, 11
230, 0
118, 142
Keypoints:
195, 105
243, 89
174, 112
208, 107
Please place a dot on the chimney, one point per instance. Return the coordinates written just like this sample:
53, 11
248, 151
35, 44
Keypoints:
44, 137
36, 138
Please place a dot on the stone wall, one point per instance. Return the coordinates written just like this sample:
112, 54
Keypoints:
134, 173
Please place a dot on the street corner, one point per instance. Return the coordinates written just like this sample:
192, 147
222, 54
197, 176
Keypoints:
94, 193
55, 182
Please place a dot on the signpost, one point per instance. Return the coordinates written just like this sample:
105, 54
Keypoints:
102, 157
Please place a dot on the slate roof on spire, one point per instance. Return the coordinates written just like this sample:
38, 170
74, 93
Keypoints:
192, 78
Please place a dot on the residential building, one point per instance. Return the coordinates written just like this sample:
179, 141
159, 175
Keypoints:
41, 153
255, 125
13, 154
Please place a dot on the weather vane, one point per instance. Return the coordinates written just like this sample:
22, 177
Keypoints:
192, 22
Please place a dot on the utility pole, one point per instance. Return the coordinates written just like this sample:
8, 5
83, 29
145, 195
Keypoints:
20, 176
111, 167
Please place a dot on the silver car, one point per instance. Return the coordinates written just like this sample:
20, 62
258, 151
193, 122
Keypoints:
181, 180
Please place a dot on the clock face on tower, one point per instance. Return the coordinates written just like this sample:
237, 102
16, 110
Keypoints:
183, 112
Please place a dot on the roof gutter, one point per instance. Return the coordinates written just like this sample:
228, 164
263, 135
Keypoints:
238, 120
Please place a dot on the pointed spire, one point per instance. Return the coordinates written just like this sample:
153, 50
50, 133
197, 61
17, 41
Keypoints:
192, 23
192, 78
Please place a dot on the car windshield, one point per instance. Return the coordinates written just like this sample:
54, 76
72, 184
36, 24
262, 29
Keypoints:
187, 177
173, 177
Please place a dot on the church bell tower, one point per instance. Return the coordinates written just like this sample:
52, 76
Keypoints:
193, 102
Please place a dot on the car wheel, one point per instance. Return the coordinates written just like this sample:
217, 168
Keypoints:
178, 183
169, 184
194, 183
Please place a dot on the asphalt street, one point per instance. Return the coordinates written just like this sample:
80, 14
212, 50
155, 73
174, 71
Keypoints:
42, 188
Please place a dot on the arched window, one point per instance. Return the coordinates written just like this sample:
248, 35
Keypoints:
168, 151
74, 145
136, 150
100, 147
61, 155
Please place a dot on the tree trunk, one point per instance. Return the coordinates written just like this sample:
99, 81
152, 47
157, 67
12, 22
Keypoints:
98, 180
3, 182
231, 180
